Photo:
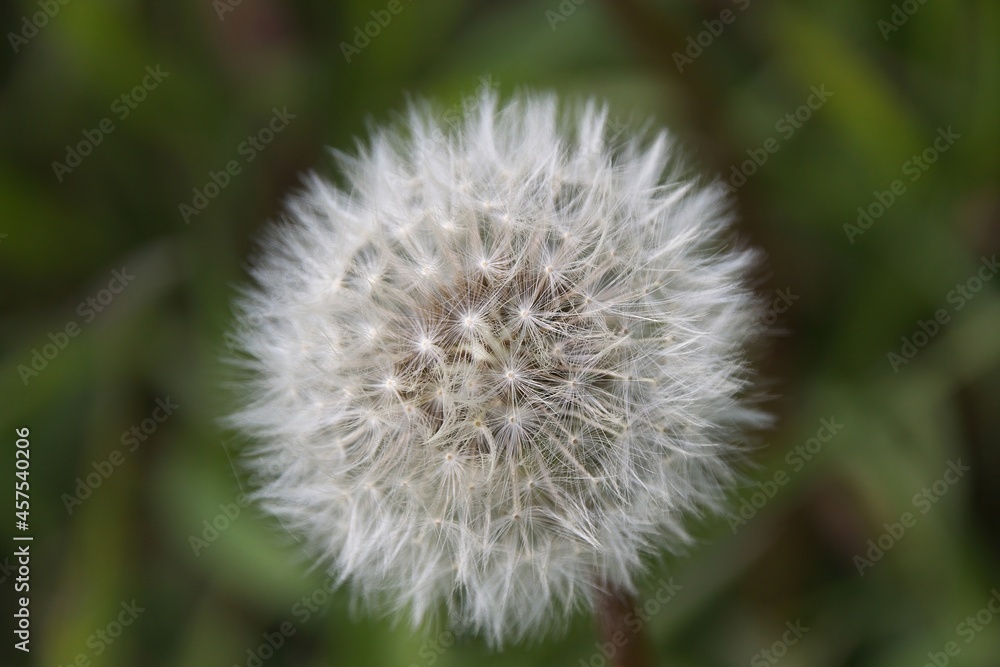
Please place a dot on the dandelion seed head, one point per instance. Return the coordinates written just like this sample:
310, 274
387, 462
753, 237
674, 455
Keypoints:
499, 365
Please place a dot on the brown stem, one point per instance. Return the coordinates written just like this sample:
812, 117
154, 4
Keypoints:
622, 643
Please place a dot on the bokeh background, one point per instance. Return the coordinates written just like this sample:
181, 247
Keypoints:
849, 295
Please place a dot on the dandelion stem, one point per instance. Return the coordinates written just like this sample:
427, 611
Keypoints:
629, 644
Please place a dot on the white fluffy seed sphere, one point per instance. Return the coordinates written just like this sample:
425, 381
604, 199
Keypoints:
499, 365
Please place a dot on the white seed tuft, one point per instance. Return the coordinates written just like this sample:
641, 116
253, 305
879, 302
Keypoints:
498, 365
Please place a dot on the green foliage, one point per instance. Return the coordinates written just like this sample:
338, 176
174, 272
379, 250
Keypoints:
864, 292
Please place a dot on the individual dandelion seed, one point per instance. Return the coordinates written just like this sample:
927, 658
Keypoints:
498, 366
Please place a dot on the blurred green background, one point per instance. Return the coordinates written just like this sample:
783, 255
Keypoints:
724, 76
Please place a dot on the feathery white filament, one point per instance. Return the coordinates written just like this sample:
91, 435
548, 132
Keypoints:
499, 365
